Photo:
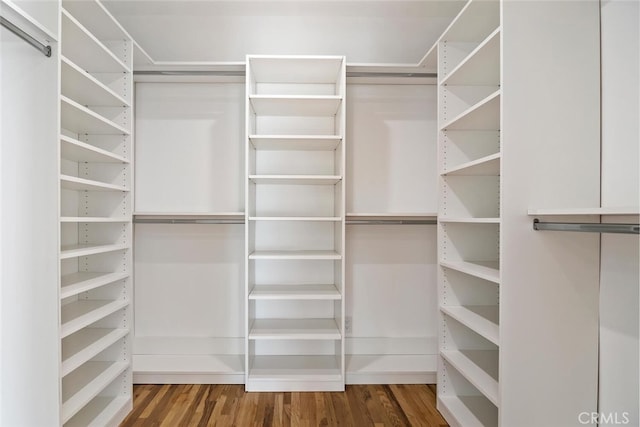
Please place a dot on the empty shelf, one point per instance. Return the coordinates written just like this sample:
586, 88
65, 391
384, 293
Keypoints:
295, 292
295, 69
80, 347
311, 255
296, 179
480, 67
73, 251
82, 313
85, 89
296, 218
78, 151
101, 411
391, 368
295, 105
482, 319
295, 367
487, 270
73, 284
80, 119
471, 411
485, 115
485, 166
479, 367
294, 329
81, 184
295, 142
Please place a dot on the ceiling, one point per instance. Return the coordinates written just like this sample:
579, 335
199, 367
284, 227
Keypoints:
366, 31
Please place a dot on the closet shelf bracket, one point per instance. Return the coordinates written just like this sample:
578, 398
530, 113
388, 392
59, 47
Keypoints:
587, 227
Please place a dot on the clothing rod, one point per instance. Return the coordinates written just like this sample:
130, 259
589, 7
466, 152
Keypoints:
45, 49
241, 221
188, 221
587, 227
240, 73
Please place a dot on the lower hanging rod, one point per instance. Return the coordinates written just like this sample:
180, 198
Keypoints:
587, 227
45, 49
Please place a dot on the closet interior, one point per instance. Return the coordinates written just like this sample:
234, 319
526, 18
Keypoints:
304, 221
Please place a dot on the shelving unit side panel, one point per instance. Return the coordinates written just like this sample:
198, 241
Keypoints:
541, 168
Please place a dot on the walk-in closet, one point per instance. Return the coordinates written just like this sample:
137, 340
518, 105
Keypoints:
300, 198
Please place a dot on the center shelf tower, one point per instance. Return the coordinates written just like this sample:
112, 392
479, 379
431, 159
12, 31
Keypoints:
295, 223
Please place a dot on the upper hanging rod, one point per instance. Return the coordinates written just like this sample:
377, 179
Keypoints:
587, 227
241, 221
241, 73
45, 49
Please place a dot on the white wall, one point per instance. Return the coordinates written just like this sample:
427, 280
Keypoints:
29, 358
620, 261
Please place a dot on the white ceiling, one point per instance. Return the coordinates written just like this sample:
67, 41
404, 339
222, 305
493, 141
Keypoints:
366, 31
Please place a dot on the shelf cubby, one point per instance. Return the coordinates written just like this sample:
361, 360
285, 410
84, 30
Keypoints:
295, 179
81, 184
479, 367
85, 344
295, 105
469, 196
78, 151
295, 142
295, 292
484, 166
82, 313
481, 67
83, 88
481, 319
483, 115
83, 281
100, 411
294, 329
81, 120
295, 255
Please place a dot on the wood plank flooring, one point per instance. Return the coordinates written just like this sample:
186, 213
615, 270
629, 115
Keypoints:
202, 405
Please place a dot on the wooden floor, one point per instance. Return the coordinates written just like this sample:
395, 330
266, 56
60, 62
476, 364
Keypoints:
229, 405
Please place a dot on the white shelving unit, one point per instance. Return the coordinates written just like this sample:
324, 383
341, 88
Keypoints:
295, 212
469, 216
95, 255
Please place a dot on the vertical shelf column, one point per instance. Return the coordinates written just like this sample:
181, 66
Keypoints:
295, 223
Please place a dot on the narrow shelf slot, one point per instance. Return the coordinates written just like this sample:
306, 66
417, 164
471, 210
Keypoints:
487, 270
295, 69
295, 105
85, 344
480, 67
85, 383
298, 368
294, 292
485, 115
84, 49
100, 411
75, 283
479, 367
295, 142
85, 89
485, 166
73, 251
82, 313
81, 120
470, 220
295, 179
471, 411
78, 151
294, 329
302, 254
481, 319
81, 184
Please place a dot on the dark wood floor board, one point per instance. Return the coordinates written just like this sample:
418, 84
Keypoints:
203, 405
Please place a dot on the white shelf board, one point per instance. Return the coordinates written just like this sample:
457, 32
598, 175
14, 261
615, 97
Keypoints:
198, 364
295, 69
487, 270
85, 344
294, 329
85, 89
81, 120
621, 210
83, 384
445, 220
484, 115
78, 151
481, 67
295, 142
72, 251
93, 219
101, 411
392, 215
96, 18
84, 49
485, 166
482, 319
302, 254
296, 179
190, 215
468, 411
295, 292
297, 368
295, 105
479, 367
81, 184
296, 218
82, 313
75, 283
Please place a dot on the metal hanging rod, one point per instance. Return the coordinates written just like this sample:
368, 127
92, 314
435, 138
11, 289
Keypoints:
188, 221
45, 49
391, 222
241, 73
587, 227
